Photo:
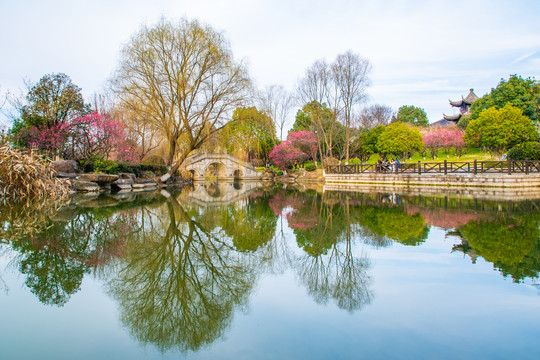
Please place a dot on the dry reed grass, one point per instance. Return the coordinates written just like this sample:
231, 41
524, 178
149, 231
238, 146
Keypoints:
26, 217
27, 174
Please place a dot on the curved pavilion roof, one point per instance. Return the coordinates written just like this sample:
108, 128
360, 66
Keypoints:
468, 100
454, 118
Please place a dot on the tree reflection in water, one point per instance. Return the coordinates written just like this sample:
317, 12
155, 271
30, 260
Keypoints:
179, 281
512, 244
180, 271
61, 245
328, 268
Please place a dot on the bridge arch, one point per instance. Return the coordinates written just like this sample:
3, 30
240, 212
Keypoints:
215, 168
233, 168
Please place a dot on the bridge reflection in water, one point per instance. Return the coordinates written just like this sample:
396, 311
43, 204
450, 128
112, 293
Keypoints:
219, 194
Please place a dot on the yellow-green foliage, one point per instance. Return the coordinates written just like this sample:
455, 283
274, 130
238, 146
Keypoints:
400, 138
26, 174
503, 242
500, 129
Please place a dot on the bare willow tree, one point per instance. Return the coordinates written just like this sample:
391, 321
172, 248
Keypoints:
140, 129
185, 77
376, 115
277, 103
350, 77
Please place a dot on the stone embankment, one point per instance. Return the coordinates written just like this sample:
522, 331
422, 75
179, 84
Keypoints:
437, 182
498, 180
92, 182
301, 175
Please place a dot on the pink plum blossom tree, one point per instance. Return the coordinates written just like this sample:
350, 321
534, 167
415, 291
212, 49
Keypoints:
98, 135
285, 155
306, 141
445, 139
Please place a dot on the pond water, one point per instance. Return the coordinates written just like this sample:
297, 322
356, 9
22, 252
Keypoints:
239, 271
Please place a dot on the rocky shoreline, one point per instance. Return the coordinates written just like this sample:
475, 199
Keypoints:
93, 182
129, 182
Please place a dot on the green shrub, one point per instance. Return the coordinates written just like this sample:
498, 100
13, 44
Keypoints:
310, 167
528, 150
464, 122
100, 165
279, 173
354, 161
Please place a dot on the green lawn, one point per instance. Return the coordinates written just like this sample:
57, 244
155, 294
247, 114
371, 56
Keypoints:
469, 155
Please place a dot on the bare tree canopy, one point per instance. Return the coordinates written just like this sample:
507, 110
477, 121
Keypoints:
315, 86
341, 86
315, 89
277, 103
184, 75
350, 75
376, 115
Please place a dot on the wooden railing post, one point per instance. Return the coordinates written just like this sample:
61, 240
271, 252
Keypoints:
419, 168
445, 167
475, 166
509, 165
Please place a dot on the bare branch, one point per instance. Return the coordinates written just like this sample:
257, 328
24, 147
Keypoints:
184, 79
277, 103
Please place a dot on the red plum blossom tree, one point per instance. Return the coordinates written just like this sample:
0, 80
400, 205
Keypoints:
285, 155
306, 141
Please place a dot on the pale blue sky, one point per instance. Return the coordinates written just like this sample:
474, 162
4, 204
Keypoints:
422, 52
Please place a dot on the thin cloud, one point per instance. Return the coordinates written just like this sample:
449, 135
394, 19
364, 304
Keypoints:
525, 57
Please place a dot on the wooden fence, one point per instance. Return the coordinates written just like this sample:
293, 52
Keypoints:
446, 167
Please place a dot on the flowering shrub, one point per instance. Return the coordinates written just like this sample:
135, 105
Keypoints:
306, 141
83, 137
286, 155
433, 142
97, 135
49, 140
444, 138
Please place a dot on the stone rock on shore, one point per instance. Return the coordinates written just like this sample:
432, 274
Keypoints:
268, 175
62, 175
122, 185
143, 185
98, 178
81, 185
65, 166
128, 176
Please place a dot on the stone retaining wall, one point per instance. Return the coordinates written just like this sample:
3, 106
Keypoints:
481, 193
440, 180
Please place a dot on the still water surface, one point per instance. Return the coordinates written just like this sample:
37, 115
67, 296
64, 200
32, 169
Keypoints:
236, 271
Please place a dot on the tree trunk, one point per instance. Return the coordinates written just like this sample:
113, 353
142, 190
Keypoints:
172, 150
347, 139
174, 168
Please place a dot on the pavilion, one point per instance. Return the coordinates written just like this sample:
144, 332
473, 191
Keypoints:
463, 105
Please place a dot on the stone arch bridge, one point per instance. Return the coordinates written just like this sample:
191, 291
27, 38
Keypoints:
229, 167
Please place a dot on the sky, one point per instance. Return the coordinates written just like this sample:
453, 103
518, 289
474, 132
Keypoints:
422, 52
